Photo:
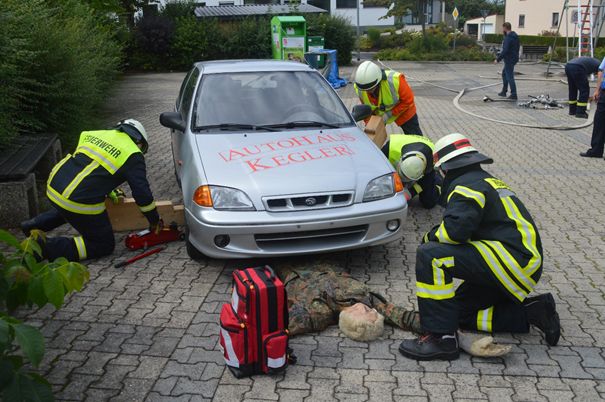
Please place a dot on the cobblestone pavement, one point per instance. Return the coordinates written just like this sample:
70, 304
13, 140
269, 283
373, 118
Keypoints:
149, 331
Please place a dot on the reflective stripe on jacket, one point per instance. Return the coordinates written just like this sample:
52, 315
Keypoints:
102, 161
485, 212
395, 98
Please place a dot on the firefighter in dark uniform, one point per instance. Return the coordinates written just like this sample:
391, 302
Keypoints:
488, 239
578, 70
78, 184
412, 157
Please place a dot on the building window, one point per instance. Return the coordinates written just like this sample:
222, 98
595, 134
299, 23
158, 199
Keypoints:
226, 3
373, 4
521, 20
555, 20
346, 3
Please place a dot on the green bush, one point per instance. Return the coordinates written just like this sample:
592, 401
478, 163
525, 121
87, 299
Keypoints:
462, 54
194, 41
57, 65
374, 37
534, 40
337, 32
249, 38
431, 43
26, 281
599, 53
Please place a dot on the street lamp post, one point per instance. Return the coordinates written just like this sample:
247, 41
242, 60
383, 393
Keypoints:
358, 35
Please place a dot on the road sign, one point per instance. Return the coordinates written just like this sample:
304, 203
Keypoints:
455, 13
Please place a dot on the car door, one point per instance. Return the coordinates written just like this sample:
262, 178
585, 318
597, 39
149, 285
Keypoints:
183, 106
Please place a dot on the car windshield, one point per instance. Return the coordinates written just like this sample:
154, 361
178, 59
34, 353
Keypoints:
275, 99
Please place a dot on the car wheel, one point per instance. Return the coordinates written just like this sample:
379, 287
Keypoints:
192, 251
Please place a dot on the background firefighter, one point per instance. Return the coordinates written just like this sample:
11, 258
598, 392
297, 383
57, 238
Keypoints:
389, 95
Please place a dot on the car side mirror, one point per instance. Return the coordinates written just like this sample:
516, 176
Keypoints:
172, 120
361, 112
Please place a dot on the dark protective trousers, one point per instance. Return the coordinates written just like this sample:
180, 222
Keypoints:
96, 235
579, 88
429, 196
508, 78
598, 128
479, 303
412, 126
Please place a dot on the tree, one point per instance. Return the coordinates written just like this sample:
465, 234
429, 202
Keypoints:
469, 9
401, 8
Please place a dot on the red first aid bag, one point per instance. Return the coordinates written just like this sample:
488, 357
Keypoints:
253, 327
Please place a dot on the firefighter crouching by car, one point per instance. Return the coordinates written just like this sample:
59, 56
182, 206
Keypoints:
389, 95
487, 238
78, 184
412, 157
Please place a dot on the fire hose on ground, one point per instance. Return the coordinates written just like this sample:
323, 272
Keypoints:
461, 93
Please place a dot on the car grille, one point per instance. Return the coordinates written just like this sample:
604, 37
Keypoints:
311, 238
308, 201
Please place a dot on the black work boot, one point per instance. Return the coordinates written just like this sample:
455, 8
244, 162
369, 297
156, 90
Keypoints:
581, 113
28, 225
431, 347
541, 312
572, 110
502, 94
513, 97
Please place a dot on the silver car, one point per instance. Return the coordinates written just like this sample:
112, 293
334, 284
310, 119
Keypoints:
271, 163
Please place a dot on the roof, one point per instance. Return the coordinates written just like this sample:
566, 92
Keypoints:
480, 19
239, 66
254, 9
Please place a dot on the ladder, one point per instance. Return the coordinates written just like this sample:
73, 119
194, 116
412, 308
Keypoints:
586, 18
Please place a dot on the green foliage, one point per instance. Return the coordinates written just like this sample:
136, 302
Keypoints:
470, 9
560, 55
337, 32
461, 54
599, 53
26, 279
534, 40
374, 37
56, 67
175, 39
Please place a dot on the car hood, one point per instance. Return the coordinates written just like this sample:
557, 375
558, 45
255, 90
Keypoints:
264, 164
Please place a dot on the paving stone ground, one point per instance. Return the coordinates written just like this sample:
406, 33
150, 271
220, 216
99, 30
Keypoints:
149, 331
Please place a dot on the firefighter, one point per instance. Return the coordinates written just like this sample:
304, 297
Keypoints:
488, 239
389, 95
412, 157
78, 184
578, 70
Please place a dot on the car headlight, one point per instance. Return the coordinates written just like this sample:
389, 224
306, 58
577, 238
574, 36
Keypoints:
383, 187
222, 198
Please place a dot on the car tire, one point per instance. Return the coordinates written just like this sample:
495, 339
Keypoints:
192, 251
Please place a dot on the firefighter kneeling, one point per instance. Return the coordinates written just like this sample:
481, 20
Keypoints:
488, 239
412, 157
78, 184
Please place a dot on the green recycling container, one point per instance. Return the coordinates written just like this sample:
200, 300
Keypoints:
289, 37
315, 43
316, 60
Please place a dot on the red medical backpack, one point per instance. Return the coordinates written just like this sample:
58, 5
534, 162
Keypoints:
253, 327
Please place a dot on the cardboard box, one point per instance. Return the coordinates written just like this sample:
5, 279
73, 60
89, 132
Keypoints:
376, 130
126, 216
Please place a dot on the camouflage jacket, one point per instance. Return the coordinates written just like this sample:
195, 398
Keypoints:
315, 299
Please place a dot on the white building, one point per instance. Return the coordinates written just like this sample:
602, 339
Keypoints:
532, 17
371, 15
477, 27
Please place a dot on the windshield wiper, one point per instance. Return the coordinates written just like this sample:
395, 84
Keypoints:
239, 126
303, 123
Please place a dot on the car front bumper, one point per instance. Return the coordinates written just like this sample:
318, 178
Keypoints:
267, 234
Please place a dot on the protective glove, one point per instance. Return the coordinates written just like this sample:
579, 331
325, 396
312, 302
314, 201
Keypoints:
115, 195
481, 345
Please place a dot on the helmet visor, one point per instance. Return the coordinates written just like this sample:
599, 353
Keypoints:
368, 86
